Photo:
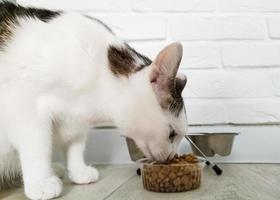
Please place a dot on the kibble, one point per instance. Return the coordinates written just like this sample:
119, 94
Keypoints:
182, 173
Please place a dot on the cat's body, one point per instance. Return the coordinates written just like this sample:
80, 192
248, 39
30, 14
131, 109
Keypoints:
60, 74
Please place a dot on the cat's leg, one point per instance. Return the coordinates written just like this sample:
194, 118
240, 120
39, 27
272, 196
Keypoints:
59, 170
78, 171
34, 144
74, 140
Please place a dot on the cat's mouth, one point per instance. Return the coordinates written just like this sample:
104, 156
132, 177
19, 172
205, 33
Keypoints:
141, 154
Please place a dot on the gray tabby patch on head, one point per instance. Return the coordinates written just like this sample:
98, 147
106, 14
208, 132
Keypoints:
124, 60
176, 103
10, 13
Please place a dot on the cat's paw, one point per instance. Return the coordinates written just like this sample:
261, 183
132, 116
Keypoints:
48, 188
84, 175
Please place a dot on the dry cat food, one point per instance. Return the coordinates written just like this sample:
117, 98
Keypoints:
180, 174
183, 159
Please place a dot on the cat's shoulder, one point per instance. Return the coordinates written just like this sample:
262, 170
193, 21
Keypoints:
10, 14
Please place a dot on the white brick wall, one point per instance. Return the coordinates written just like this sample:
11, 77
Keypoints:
231, 50
135, 22
174, 6
251, 55
216, 27
248, 5
273, 27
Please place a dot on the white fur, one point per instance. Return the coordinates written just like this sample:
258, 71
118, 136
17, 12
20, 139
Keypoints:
55, 84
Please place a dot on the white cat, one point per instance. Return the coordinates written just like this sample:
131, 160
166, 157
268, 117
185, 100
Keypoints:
60, 74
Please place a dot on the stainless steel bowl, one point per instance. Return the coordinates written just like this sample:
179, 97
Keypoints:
213, 143
134, 152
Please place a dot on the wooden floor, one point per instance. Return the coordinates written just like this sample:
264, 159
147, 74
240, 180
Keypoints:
119, 182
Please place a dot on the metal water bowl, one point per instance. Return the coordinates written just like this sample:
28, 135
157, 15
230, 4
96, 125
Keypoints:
213, 143
134, 152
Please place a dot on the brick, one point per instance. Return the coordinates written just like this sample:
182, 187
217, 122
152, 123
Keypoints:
135, 27
205, 112
201, 56
174, 5
249, 5
195, 55
237, 111
273, 27
81, 5
275, 77
216, 28
228, 84
251, 55
254, 111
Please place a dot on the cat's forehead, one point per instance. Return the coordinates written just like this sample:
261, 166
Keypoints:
124, 60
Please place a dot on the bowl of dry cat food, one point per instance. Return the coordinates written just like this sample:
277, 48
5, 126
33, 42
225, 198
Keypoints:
182, 173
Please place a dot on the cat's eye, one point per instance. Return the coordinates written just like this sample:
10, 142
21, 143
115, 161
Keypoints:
172, 135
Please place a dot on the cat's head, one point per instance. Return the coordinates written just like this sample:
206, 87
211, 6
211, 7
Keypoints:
152, 112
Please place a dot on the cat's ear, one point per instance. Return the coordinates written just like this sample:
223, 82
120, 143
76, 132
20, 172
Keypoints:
163, 73
180, 82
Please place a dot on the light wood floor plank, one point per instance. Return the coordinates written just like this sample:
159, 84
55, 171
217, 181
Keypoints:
238, 182
111, 178
270, 172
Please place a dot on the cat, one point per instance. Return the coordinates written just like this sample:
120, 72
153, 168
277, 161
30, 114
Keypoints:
62, 73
